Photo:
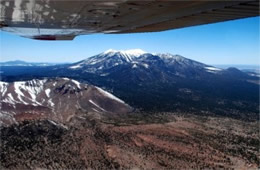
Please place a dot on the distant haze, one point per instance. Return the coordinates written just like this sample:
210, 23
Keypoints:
238, 66
26, 63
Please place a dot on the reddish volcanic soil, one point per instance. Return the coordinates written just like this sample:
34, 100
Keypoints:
189, 142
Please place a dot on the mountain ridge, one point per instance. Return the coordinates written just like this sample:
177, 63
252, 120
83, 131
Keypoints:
25, 63
57, 99
112, 59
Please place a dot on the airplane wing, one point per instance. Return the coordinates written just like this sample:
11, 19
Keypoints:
64, 19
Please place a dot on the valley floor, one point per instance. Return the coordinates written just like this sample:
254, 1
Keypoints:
188, 142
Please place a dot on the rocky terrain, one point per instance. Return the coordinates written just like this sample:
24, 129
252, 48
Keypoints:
181, 142
57, 99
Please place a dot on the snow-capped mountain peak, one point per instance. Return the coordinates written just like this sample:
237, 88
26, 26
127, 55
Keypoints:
110, 59
110, 51
132, 52
135, 52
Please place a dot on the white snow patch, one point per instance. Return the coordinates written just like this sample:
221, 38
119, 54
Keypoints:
10, 96
96, 105
53, 122
33, 87
56, 124
105, 74
164, 56
134, 66
210, 71
3, 87
10, 99
93, 62
77, 83
115, 64
146, 65
47, 92
213, 68
109, 95
50, 103
22, 101
75, 66
135, 52
171, 57
95, 110
17, 88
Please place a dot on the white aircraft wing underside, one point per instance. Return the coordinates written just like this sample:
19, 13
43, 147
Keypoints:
63, 19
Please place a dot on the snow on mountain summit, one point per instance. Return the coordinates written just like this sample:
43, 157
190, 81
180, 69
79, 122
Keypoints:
133, 58
135, 52
109, 58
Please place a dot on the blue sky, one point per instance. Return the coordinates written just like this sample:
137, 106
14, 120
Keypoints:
231, 42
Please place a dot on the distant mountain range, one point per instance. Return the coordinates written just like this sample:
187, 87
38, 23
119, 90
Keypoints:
253, 70
159, 82
24, 63
239, 66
